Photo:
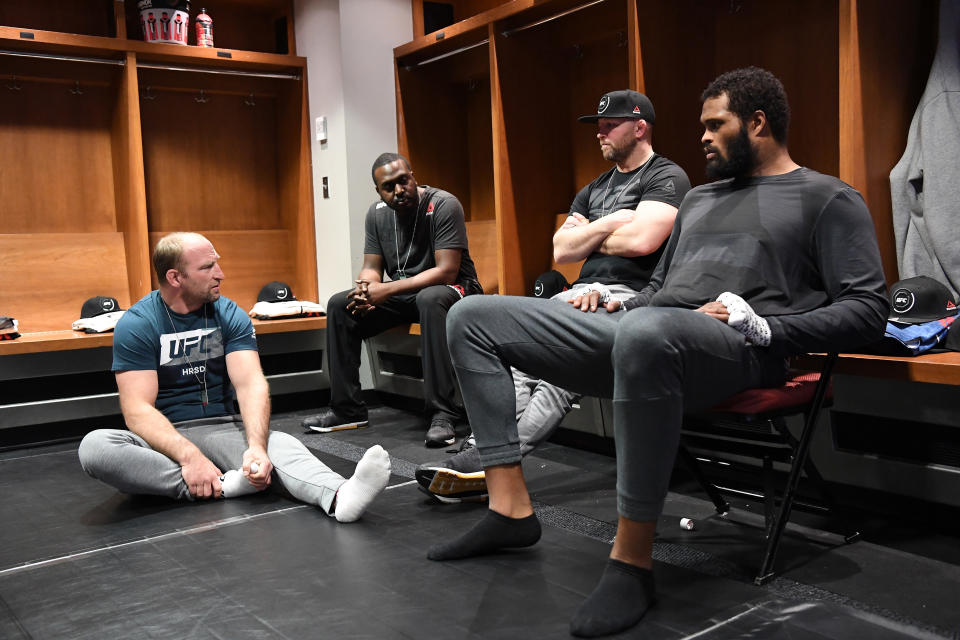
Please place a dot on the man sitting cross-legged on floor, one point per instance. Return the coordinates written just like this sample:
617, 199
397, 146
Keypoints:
618, 223
175, 354
791, 254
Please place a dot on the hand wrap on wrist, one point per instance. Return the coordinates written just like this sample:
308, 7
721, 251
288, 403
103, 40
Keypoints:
602, 289
745, 320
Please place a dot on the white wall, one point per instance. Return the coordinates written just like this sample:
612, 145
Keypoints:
349, 49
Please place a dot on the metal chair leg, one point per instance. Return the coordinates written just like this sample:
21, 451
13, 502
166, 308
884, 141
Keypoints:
796, 468
719, 503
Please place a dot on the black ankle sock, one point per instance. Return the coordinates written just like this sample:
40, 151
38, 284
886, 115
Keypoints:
494, 532
624, 594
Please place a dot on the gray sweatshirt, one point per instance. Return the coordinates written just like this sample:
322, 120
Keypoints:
925, 184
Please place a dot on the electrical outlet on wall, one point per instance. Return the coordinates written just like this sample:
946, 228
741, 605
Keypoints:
321, 128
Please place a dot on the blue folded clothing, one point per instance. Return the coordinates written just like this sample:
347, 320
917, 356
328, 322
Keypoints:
913, 339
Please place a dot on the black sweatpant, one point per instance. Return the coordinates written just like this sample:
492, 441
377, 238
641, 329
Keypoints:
346, 332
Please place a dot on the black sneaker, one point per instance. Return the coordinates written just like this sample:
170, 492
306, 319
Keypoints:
328, 420
441, 432
456, 479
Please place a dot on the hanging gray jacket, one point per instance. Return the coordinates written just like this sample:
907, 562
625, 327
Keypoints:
925, 184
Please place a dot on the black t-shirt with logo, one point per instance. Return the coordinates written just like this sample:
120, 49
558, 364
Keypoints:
658, 179
407, 246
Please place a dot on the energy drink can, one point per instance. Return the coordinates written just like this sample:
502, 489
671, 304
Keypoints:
165, 20
204, 25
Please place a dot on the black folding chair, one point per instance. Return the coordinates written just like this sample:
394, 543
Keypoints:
752, 424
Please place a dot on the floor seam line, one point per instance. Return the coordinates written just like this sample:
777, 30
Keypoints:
217, 524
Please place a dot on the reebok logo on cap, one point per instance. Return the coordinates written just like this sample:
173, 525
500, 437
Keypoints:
920, 299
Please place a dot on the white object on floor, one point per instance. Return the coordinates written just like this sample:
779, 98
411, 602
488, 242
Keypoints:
234, 484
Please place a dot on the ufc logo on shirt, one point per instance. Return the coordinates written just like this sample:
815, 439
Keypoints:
179, 348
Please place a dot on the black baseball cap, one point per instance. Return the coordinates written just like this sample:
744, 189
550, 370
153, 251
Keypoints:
623, 104
98, 305
920, 299
276, 292
550, 284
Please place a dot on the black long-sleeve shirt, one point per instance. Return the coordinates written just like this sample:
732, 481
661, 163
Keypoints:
799, 248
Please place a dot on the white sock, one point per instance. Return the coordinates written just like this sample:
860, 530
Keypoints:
745, 320
368, 480
234, 484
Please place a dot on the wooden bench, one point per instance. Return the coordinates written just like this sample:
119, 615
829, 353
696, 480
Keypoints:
931, 368
46, 341
48, 277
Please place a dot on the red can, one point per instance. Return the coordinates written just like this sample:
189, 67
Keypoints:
165, 20
204, 25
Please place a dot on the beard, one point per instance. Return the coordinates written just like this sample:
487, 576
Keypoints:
615, 154
406, 204
740, 161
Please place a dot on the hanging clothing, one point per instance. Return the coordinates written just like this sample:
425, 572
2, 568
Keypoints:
925, 184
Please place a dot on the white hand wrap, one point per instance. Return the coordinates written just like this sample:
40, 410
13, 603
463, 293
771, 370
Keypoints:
602, 289
745, 320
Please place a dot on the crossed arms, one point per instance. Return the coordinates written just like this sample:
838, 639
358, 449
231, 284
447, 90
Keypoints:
627, 232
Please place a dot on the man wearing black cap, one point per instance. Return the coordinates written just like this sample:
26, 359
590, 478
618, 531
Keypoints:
772, 260
416, 235
618, 224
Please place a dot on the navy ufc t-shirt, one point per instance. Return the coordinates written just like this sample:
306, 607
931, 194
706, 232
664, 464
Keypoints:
185, 350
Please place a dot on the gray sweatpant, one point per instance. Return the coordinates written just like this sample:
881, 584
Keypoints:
124, 460
542, 406
655, 363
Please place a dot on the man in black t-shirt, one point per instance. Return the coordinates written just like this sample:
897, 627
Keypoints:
618, 223
417, 236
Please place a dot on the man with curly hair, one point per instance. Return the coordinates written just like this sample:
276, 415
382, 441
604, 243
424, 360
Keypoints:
772, 260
